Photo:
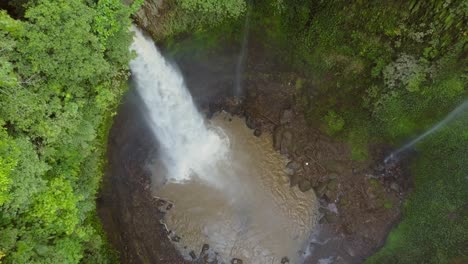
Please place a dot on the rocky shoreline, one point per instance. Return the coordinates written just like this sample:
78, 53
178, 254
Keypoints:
359, 201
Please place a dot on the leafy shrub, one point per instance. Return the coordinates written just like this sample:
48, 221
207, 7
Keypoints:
220, 9
358, 140
406, 72
335, 123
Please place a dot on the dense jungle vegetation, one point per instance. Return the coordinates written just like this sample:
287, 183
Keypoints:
371, 72
63, 69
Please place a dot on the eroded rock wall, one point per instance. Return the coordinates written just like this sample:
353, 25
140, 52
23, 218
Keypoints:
150, 15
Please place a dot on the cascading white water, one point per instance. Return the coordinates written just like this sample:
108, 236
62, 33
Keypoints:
240, 203
187, 143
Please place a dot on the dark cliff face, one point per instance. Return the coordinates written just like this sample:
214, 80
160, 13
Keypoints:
149, 15
126, 207
209, 76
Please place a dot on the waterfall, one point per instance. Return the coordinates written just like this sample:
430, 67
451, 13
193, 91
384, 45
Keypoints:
461, 108
188, 145
241, 57
240, 202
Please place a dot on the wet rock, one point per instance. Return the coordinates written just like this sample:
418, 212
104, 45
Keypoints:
286, 142
290, 171
331, 194
205, 248
252, 92
285, 260
293, 165
331, 217
304, 185
169, 206
334, 166
257, 132
250, 122
161, 202
322, 210
286, 117
332, 208
299, 149
321, 189
323, 221
395, 187
149, 11
193, 255
236, 261
233, 105
175, 238
277, 137
294, 180
333, 176
349, 250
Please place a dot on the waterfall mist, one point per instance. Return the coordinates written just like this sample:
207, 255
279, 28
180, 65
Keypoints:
189, 146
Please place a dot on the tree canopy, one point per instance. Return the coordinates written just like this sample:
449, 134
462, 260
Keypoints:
63, 66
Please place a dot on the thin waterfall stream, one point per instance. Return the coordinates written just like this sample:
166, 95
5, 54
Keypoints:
241, 58
229, 189
460, 109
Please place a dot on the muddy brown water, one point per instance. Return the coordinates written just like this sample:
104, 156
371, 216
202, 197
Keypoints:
254, 215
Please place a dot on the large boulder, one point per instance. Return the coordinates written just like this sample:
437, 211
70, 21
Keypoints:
286, 117
148, 15
286, 142
294, 166
277, 137
331, 194
294, 180
304, 185
321, 189
250, 122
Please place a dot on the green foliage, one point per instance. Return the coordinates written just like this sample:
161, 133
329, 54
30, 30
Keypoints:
8, 162
358, 140
381, 59
434, 227
220, 9
388, 204
197, 16
63, 69
335, 123
56, 208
